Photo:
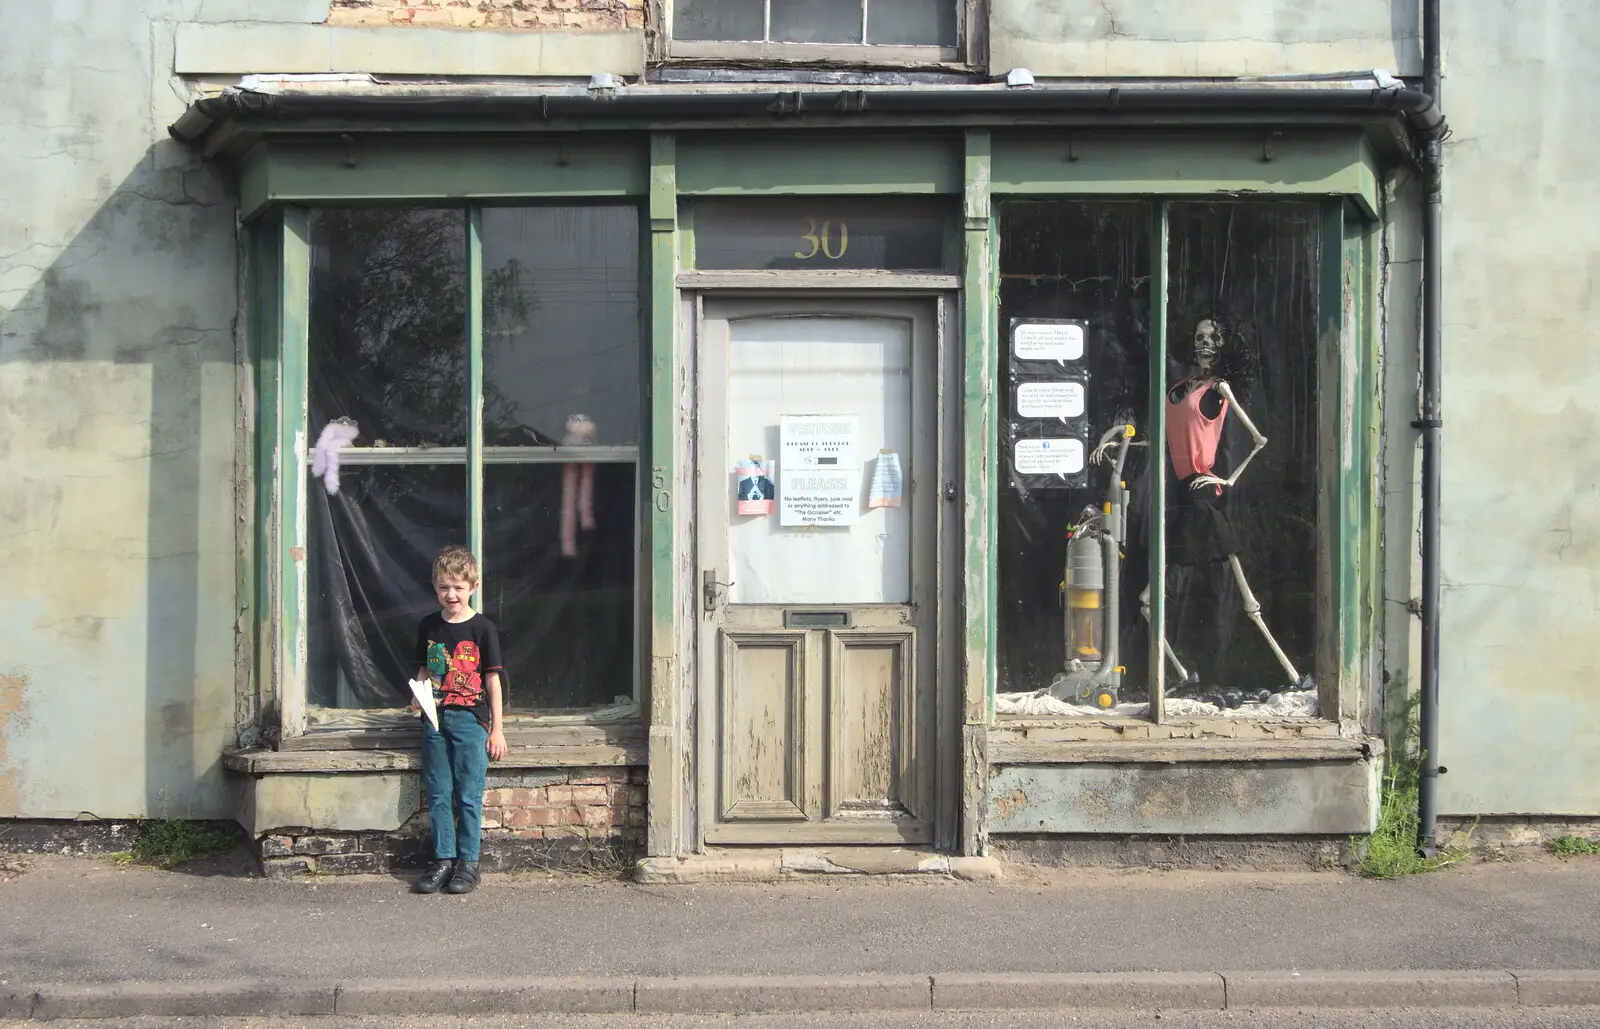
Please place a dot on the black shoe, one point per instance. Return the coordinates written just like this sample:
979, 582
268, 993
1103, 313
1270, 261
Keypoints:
435, 877
466, 878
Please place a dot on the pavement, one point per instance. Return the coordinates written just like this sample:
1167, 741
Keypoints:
85, 938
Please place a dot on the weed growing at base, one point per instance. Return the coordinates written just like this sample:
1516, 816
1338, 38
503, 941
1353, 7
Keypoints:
172, 842
1571, 846
1391, 850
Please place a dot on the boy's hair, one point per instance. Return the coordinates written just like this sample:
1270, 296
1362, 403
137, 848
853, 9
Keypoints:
455, 562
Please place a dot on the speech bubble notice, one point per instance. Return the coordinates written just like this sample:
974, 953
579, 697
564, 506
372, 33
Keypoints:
1061, 400
1047, 342
1061, 457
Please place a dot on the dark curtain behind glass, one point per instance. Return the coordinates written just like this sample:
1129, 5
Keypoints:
1253, 267
566, 623
561, 339
1090, 261
387, 347
388, 332
370, 577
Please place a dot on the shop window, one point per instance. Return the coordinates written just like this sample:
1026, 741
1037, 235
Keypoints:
391, 347
924, 23
1242, 557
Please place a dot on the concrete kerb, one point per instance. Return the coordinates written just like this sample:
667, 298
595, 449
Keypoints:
1111, 991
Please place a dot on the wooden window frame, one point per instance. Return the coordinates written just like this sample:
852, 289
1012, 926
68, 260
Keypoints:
967, 54
282, 250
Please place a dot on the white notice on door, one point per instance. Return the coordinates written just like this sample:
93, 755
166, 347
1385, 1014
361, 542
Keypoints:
1061, 457
813, 497
819, 441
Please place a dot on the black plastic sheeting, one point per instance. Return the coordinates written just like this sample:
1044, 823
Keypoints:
388, 348
1252, 267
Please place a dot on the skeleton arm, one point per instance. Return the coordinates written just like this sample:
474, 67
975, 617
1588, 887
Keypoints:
1111, 439
1255, 434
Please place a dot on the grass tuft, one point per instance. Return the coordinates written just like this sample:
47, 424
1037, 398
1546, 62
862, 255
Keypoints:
1390, 852
1572, 846
172, 842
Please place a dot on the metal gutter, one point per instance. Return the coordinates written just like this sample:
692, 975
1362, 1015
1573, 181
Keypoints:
513, 104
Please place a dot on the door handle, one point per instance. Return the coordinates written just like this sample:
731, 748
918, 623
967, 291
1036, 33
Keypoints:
708, 589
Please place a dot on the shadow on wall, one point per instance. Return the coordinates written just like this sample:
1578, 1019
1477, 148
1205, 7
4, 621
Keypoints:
118, 370
1405, 28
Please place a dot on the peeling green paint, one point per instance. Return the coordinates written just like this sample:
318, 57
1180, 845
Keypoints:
1157, 438
294, 321
667, 742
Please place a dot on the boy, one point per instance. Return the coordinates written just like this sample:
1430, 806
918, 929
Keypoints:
459, 650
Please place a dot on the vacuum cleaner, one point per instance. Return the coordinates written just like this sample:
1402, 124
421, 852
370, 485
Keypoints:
1091, 604
1092, 676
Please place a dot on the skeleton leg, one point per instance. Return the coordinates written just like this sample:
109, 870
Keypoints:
1166, 648
1252, 610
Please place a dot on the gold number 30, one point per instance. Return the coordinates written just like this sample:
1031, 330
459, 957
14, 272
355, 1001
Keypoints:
822, 240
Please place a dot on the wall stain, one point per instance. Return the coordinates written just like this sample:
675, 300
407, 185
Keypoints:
11, 687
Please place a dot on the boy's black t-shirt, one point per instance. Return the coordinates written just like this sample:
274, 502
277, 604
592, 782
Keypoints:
457, 656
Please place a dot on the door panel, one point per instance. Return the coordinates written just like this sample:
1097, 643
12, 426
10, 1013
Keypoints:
817, 639
764, 727
872, 705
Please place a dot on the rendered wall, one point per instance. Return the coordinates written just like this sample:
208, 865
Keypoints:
118, 296
1520, 677
1162, 38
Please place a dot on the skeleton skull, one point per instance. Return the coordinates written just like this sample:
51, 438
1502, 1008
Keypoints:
1208, 342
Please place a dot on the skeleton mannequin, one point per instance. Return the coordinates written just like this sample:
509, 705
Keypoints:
1198, 529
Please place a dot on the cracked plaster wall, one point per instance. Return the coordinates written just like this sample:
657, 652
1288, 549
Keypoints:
1162, 38
117, 419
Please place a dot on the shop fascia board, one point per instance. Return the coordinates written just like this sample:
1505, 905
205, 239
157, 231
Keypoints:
1224, 161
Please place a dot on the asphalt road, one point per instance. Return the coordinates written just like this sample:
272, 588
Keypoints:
1570, 1018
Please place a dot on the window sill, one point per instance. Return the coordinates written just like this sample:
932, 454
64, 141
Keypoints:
858, 55
402, 756
396, 749
1181, 751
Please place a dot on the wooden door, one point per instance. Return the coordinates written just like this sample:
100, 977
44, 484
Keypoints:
816, 641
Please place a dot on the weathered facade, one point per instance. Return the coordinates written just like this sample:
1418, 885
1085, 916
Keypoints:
950, 252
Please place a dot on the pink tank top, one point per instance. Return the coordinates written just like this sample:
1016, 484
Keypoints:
1192, 438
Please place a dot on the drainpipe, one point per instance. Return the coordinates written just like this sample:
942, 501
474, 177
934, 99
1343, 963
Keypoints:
1430, 423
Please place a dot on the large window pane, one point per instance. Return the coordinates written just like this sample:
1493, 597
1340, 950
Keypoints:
369, 577
561, 323
565, 613
1072, 271
911, 22
816, 21
388, 324
1242, 310
719, 19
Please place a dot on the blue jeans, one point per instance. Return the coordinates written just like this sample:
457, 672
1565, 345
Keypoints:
455, 765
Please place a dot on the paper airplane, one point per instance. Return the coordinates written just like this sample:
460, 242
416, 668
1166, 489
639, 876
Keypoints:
422, 689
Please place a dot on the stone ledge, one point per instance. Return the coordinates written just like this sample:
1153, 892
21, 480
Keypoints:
299, 762
807, 862
1109, 991
737, 994
1179, 751
1377, 990
1151, 991
1570, 988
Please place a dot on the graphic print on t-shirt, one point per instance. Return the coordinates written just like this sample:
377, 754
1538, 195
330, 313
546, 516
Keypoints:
457, 674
